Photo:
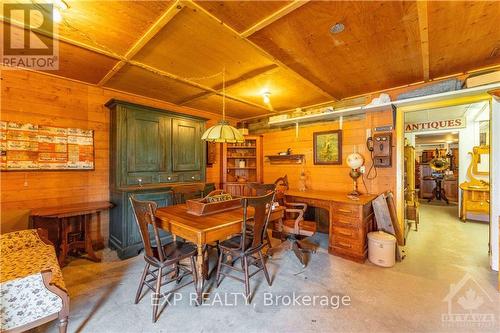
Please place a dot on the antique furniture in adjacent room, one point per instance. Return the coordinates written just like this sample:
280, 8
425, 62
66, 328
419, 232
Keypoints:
438, 165
151, 151
411, 192
202, 230
350, 220
32, 286
476, 191
163, 257
68, 227
247, 246
450, 186
241, 164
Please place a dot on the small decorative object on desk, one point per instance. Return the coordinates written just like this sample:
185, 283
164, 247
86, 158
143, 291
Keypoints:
355, 161
302, 181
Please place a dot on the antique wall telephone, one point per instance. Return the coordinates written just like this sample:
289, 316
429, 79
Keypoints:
380, 147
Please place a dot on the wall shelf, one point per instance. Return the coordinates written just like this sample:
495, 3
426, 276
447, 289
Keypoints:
286, 159
387, 106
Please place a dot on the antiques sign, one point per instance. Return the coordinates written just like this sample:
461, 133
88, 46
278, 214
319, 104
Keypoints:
435, 125
38, 147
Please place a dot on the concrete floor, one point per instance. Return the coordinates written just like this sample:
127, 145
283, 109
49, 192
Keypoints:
405, 298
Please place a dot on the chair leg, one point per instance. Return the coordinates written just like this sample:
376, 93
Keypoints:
157, 294
299, 253
63, 325
269, 245
141, 284
219, 264
195, 277
264, 268
247, 279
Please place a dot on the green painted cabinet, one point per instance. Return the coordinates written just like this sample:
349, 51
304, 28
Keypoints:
150, 151
187, 150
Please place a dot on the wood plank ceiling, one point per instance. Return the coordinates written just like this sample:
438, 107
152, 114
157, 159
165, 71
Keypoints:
173, 50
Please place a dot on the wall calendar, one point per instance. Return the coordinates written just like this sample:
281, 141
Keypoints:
38, 147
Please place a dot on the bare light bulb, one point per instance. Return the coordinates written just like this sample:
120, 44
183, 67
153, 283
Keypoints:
266, 97
56, 15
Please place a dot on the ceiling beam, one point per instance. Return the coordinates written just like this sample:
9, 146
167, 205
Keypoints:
193, 84
273, 17
244, 78
66, 40
423, 25
164, 19
160, 23
194, 5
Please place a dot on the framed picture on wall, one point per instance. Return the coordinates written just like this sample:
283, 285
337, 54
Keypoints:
327, 147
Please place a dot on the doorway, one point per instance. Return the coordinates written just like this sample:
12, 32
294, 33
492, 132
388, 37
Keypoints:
443, 185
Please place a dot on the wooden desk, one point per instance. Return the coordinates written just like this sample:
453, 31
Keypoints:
349, 220
202, 230
45, 217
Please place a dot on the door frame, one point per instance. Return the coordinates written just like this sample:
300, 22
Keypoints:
445, 102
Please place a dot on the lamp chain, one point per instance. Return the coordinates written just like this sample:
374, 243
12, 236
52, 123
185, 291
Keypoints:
224, 93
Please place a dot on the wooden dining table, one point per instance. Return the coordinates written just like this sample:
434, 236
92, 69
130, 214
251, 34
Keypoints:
205, 229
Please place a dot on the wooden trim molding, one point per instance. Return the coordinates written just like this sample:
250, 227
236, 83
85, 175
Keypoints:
273, 17
424, 37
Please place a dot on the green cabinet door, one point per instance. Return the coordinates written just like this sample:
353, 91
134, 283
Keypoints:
186, 145
147, 139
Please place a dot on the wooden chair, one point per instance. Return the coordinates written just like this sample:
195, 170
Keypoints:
247, 246
260, 190
294, 227
182, 193
164, 258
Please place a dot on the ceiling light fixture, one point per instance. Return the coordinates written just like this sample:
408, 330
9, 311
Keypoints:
266, 96
337, 28
223, 131
58, 7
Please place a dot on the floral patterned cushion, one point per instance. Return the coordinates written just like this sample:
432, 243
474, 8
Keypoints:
25, 254
25, 300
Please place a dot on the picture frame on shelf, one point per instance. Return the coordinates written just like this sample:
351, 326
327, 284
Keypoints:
327, 147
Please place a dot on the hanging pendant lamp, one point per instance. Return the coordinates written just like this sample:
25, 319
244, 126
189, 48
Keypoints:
223, 131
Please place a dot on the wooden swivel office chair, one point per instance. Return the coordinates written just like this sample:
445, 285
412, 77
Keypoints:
294, 228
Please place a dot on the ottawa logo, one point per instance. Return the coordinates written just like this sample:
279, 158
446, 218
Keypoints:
465, 300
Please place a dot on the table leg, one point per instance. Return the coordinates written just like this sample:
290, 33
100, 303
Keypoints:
63, 250
88, 240
200, 262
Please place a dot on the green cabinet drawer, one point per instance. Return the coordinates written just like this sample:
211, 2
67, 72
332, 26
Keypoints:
191, 176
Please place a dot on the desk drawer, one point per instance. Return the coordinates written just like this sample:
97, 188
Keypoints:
346, 221
346, 209
351, 233
344, 244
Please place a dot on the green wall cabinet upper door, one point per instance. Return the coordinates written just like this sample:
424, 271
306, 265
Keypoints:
187, 145
147, 141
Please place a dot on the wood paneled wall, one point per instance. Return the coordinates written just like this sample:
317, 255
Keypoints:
44, 99
330, 177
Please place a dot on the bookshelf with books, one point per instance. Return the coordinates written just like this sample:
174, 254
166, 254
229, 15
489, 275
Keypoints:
241, 164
